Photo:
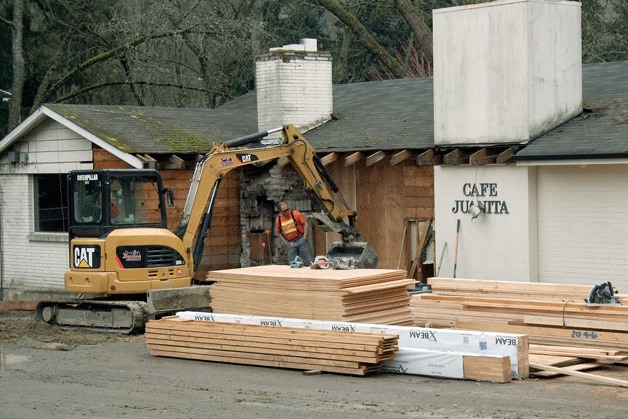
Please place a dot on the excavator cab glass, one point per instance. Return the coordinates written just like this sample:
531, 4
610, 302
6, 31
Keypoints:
103, 200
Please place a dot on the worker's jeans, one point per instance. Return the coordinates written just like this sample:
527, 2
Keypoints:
300, 247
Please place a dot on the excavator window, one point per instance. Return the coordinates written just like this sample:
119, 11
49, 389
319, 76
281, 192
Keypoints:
88, 202
103, 200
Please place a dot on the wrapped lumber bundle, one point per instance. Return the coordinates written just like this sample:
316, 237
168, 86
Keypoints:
281, 347
355, 295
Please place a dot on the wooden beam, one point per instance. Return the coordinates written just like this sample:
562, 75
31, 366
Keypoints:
148, 161
401, 156
353, 158
482, 156
375, 157
506, 155
174, 162
457, 156
329, 159
429, 158
583, 375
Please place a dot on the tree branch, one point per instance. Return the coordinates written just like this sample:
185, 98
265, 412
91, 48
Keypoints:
101, 58
380, 54
126, 82
420, 29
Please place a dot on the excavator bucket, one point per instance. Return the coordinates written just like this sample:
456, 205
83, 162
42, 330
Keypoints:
169, 300
362, 252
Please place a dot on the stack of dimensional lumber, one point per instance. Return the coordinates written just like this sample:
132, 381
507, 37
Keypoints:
302, 349
484, 356
357, 295
553, 314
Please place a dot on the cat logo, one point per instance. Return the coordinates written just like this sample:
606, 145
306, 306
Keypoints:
87, 257
247, 158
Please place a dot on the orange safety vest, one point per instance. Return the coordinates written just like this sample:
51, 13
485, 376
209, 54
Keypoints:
290, 228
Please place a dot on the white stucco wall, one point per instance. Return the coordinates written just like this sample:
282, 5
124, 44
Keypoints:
500, 245
583, 224
505, 71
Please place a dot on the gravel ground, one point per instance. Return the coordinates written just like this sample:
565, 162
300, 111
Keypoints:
46, 372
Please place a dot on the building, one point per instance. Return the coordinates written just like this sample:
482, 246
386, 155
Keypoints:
544, 156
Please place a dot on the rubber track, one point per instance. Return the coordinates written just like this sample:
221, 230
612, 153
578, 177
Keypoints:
139, 310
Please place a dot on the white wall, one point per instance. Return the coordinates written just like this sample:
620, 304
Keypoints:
34, 263
30, 263
51, 148
583, 224
500, 245
506, 71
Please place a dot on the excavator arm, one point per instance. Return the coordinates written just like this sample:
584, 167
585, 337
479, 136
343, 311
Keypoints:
197, 213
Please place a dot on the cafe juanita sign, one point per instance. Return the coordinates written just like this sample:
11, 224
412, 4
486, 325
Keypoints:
484, 195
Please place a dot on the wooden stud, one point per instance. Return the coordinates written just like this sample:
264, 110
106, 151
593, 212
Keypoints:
375, 157
353, 158
429, 158
457, 156
329, 159
482, 156
401, 156
148, 161
506, 155
174, 162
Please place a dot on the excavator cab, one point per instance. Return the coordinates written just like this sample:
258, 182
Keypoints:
105, 200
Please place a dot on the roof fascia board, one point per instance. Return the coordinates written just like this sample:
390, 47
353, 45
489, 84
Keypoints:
133, 161
26, 125
573, 162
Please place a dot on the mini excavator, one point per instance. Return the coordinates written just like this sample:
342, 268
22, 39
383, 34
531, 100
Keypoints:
127, 267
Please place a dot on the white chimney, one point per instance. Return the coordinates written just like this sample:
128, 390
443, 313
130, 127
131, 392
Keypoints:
506, 71
294, 86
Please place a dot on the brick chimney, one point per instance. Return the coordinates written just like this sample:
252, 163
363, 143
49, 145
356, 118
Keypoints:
506, 71
294, 86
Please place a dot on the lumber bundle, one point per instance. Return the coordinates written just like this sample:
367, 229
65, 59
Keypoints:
552, 318
280, 347
356, 295
484, 356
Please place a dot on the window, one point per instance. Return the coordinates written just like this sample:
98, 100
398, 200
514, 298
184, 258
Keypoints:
51, 203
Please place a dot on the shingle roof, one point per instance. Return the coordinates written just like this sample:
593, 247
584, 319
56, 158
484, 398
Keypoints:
601, 131
138, 129
381, 115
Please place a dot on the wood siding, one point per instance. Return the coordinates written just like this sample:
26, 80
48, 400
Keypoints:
386, 197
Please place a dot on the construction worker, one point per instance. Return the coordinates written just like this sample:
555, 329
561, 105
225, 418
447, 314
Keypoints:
293, 230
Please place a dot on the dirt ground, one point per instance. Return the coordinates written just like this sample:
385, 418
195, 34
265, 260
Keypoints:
47, 372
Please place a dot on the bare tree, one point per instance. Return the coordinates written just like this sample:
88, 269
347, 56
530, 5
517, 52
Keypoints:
388, 61
17, 54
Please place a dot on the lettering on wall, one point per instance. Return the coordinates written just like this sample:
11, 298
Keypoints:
483, 193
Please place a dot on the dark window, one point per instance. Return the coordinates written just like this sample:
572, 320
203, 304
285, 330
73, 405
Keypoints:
51, 203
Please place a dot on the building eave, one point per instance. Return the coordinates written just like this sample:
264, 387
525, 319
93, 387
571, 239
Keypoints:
37, 117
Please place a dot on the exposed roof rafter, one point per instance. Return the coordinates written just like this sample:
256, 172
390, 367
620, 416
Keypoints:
376, 157
353, 158
401, 156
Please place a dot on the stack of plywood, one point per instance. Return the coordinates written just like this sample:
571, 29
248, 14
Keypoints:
356, 295
303, 349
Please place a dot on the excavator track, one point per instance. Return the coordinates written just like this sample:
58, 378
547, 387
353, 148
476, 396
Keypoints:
128, 317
